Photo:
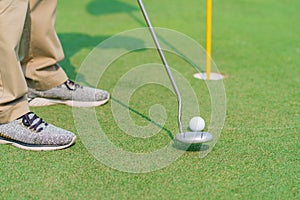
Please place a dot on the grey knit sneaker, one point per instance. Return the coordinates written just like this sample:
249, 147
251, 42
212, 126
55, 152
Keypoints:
68, 93
31, 133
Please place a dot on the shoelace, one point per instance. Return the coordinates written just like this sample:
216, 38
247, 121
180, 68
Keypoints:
29, 119
71, 85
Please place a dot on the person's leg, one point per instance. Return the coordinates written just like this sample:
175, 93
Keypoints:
13, 88
41, 70
18, 126
48, 84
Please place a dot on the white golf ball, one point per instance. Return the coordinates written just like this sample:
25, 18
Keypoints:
197, 124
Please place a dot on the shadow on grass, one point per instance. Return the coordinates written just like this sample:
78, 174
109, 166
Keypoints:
75, 42
144, 117
105, 7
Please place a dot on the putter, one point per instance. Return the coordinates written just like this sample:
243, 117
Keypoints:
185, 137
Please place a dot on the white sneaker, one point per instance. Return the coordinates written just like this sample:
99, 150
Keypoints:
68, 93
31, 133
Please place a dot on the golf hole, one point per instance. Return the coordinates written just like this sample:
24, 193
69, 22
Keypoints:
213, 76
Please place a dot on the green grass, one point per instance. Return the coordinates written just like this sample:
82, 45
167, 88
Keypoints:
256, 43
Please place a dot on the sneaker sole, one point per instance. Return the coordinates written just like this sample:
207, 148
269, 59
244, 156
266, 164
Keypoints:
38, 102
33, 147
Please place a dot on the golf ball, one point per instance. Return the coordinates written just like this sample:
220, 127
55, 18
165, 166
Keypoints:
197, 124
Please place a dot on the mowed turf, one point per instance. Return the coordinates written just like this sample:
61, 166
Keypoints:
256, 43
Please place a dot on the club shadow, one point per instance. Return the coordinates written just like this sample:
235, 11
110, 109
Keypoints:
144, 117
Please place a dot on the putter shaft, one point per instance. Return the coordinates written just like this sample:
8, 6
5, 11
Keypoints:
165, 63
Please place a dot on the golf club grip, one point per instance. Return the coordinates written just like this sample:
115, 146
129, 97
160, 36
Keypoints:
165, 63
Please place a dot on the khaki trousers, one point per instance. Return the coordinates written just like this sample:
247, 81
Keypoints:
29, 51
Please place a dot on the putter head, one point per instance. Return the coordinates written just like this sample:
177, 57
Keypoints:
194, 137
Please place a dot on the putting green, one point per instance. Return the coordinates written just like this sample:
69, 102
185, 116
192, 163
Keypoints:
255, 43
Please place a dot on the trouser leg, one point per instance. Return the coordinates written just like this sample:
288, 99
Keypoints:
13, 88
45, 50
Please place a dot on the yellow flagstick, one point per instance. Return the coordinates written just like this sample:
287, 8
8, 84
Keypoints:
208, 37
